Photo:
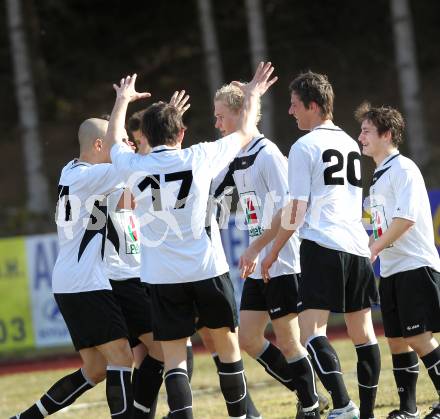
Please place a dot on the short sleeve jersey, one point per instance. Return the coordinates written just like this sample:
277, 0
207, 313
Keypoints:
325, 172
398, 190
122, 250
171, 189
260, 174
81, 218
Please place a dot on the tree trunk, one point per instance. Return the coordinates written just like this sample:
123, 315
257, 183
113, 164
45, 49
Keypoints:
406, 62
213, 63
36, 182
257, 39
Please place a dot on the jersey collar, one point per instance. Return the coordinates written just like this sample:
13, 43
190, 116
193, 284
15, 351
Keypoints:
161, 148
388, 159
255, 141
330, 126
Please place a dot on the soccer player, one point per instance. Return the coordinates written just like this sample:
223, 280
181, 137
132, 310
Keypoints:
122, 257
336, 273
171, 187
80, 285
409, 262
259, 173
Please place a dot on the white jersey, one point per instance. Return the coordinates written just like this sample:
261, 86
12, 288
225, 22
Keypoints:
398, 191
260, 174
81, 224
325, 172
171, 187
122, 249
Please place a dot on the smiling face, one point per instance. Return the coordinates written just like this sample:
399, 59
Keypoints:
226, 119
373, 144
298, 110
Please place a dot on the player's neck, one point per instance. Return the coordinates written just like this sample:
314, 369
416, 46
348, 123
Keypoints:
87, 158
318, 121
380, 157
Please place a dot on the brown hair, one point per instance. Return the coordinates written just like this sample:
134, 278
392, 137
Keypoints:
161, 123
314, 87
384, 118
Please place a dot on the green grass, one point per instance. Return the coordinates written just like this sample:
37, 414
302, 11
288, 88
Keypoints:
274, 401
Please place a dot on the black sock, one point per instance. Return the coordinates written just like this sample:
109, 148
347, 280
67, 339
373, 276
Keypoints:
119, 392
189, 361
406, 373
368, 371
275, 364
251, 409
179, 394
326, 363
147, 386
432, 364
233, 386
63, 393
301, 371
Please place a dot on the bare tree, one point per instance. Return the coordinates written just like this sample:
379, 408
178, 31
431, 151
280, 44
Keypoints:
36, 182
406, 62
211, 49
257, 39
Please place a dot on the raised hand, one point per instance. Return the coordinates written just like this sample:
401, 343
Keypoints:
178, 100
261, 81
127, 90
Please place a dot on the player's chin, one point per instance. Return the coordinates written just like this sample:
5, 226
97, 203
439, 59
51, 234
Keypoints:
365, 151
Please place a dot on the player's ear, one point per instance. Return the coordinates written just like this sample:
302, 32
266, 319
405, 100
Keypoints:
180, 135
99, 144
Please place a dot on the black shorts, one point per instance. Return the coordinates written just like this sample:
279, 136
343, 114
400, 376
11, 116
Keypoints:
134, 299
175, 307
410, 302
92, 317
334, 280
278, 297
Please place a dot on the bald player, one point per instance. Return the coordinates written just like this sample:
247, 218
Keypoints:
80, 284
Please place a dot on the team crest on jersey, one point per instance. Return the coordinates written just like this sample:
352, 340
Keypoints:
251, 208
131, 237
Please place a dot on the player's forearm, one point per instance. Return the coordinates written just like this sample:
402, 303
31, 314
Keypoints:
269, 234
281, 239
397, 228
115, 130
248, 117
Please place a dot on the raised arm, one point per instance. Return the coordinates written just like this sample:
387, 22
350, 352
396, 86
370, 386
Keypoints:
252, 92
125, 93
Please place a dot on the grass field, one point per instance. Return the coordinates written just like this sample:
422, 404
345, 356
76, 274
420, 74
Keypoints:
274, 401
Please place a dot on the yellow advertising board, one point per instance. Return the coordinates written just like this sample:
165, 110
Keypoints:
15, 311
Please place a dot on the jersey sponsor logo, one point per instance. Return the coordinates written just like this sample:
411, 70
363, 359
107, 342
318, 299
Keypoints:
131, 237
378, 221
251, 208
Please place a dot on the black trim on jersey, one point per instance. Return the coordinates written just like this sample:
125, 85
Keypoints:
256, 142
208, 232
90, 233
112, 234
163, 149
328, 129
77, 163
239, 163
379, 173
391, 158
